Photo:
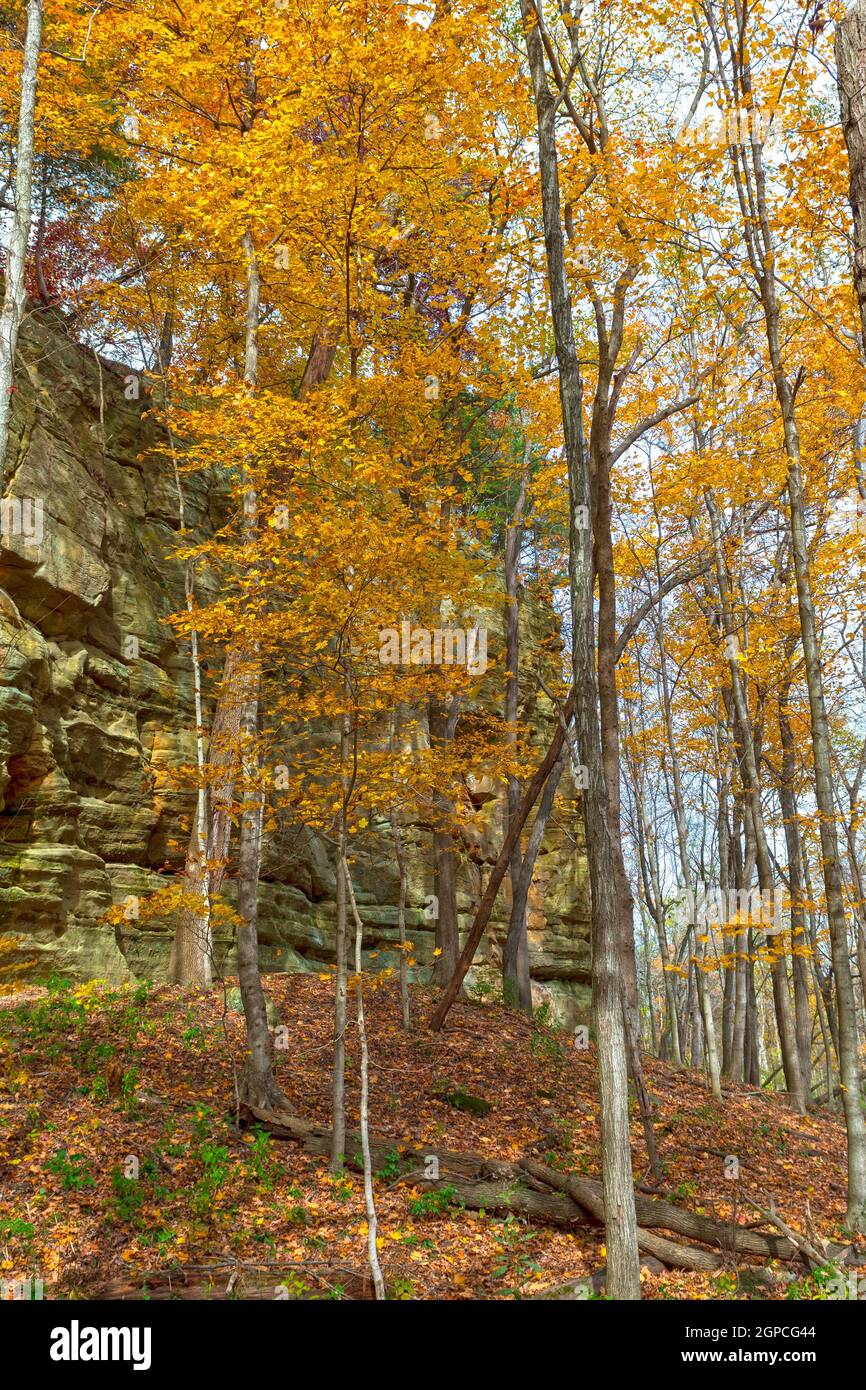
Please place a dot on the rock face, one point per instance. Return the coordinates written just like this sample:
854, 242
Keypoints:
95, 712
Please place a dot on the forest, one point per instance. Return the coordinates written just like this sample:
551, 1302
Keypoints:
433, 650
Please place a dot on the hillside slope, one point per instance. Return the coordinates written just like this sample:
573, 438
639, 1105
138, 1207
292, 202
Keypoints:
100, 1084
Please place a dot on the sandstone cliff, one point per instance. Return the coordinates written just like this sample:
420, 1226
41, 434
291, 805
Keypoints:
95, 709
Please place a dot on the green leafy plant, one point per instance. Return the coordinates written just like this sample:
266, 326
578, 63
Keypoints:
15, 1228
72, 1169
262, 1165
129, 1197
391, 1167
214, 1158
435, 1203
819, 1285
129, 1090
97, 1090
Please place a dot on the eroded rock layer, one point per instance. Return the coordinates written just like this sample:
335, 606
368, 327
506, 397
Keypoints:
95, 712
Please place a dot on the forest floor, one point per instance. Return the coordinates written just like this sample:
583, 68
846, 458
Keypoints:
95, 1080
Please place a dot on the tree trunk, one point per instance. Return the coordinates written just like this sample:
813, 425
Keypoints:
650, 869
14, 294
758, 237
516, 986
442, 722
192, 946
609, 707
260, 1086
845, 1004
787, 1037
192, 949
620, 1222
400, 856
851, 78
364, 1113
500, 868
341, 986
799, 938
678, 803
724, 831
706, 1007
39, 249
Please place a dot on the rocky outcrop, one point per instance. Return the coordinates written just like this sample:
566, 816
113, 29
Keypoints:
95, 713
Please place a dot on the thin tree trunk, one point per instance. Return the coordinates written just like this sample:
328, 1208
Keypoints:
192, 946
679, 810
623, 1265
204, 873
744, 864
364, 1114
403, 890
39, 249
400, 856
482, 916
442, 721
338, 1092
706, 1007
609, 715
260, 1086
823, 976
723, 785
652, 887
651, 1013
14, 294
697, 1023
516, 985
799, 938
670, 992
787, 1037
851, 78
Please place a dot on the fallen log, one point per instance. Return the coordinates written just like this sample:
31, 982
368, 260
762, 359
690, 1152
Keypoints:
527, 1189
545, 1195
670, 1252
676, 1255
315, 1138
480, 1184
510, 1198
651, 1212
816, 1252
726, 1235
